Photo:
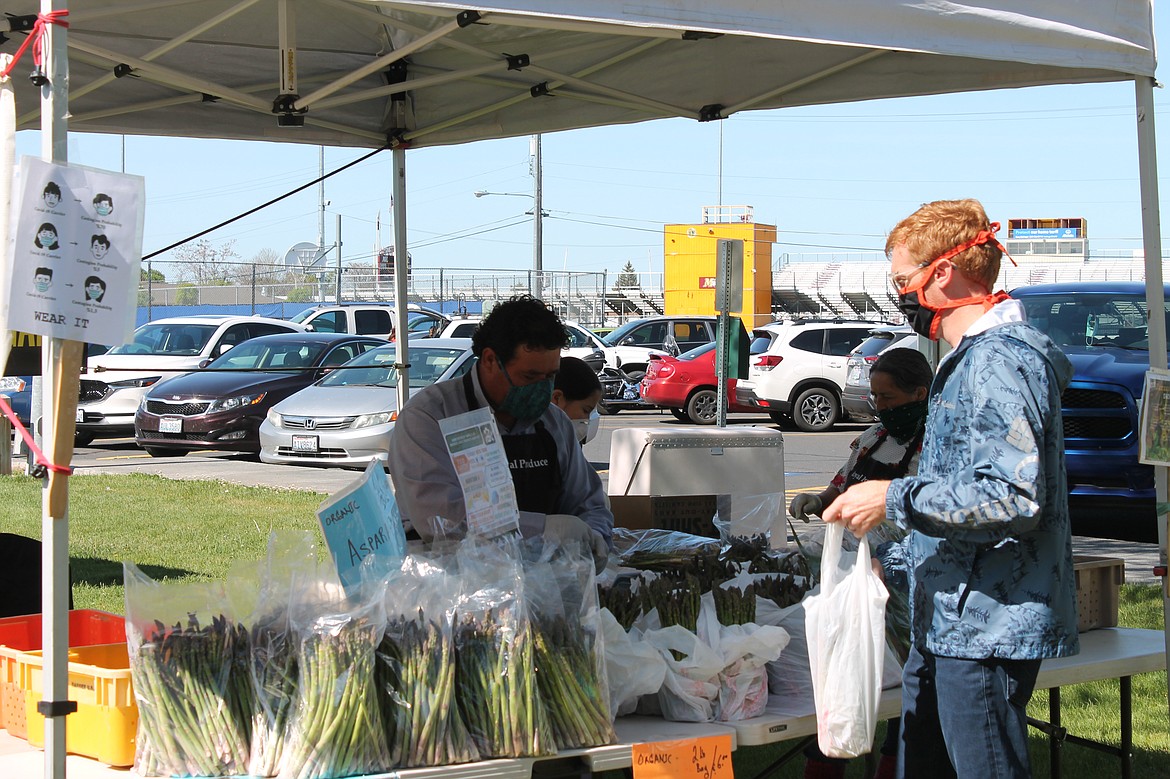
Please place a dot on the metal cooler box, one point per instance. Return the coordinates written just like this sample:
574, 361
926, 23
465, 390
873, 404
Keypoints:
678, 480
706, 461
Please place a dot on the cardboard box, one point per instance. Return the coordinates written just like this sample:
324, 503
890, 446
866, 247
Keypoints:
686, 513
1099, 581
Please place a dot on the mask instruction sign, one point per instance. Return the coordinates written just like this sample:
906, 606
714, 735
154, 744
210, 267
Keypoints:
473, 441
361, 521
76, 251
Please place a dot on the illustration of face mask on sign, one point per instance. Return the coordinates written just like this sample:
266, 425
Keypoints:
42, 279
103, 204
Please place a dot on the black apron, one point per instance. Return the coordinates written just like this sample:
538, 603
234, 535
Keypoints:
867, 469
532, 460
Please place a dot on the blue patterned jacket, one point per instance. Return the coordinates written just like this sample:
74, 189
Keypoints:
989, 552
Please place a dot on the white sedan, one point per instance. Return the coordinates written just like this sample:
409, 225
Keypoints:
345, 419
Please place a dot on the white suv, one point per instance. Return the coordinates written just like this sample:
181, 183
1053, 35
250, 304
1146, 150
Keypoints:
798, 370
376, 319
583, 343
114, 383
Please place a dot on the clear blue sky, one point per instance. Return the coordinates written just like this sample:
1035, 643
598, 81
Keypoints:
832, 178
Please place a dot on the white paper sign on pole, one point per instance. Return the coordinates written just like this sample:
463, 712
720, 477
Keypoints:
76, 252
473, 441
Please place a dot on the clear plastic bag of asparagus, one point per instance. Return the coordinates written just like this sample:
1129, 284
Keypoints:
416, 668
336, 727
188, 663
495, 675
561, 590
273, 648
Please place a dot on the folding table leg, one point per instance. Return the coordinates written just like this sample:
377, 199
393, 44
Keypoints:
1055, 743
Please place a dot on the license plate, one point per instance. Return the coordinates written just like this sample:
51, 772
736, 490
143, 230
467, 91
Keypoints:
304, 443
170, 425
80, 415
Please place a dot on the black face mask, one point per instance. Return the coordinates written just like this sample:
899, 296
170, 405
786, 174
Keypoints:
918, 316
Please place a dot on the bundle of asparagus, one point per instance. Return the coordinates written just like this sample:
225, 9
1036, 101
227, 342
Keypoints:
735, 606
783, 590
336, 729
274, 685
191, 705
623, 602
496, 685
677, 600
417, 679
567, 672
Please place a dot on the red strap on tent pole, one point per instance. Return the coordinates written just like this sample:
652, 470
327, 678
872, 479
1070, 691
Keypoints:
34, 38
28, 440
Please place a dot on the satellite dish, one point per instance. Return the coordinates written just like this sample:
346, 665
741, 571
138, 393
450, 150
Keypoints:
305, 255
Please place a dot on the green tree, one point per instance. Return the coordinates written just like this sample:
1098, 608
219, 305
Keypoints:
186, 295
628, 278
155, 276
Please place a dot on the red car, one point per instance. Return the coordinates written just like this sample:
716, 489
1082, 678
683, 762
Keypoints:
686, 385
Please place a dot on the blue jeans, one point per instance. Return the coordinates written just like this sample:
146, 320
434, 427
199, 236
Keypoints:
965, 718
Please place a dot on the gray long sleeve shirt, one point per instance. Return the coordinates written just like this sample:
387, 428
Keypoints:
426, 485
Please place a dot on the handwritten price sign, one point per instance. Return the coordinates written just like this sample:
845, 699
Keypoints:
697, 758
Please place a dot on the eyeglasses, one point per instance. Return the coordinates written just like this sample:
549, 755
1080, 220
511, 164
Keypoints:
903, 281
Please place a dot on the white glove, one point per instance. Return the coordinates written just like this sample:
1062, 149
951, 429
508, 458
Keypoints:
805, 504
566, 529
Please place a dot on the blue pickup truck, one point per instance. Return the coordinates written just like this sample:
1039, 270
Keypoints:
1101, 326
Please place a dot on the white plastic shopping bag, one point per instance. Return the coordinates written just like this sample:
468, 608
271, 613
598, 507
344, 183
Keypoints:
845, 625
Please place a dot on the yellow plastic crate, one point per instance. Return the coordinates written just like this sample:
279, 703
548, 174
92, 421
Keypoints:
106, 720
87, 627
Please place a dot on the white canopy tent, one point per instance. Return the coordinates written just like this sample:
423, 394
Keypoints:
409, 74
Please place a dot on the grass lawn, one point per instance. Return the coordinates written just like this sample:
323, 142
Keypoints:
199, 528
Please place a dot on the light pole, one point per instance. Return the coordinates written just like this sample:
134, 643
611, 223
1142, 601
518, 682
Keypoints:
537, 237
537, 210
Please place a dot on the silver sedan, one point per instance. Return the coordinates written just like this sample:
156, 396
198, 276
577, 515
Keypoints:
345, 419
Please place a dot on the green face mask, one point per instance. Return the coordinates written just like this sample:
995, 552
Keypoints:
526, 403
906, 420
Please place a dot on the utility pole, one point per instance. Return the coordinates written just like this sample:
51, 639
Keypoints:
537, 217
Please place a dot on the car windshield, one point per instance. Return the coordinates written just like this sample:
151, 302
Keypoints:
301, 317
168, 338
614, 338
375, 368
1091, 320
266, 355
698, 351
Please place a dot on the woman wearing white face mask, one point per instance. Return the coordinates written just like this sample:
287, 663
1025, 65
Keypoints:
577, 391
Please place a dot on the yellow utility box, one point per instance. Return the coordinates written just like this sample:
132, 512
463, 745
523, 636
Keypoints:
690, 263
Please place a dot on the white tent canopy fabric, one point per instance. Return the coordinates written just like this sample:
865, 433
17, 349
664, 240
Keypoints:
213, 68
407, 73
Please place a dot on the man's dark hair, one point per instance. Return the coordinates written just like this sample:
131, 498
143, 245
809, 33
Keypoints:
909, 368
100, 238
521, 320
576, 379
43, 271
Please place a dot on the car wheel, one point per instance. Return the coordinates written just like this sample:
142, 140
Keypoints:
606, 409
155, 451
679, 414
81, 438
815, 410
636, 374
703, 407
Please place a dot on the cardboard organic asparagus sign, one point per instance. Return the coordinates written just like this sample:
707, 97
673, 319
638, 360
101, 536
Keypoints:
361, 521
76, 252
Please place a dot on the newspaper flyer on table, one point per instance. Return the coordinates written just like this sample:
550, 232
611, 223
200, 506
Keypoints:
76, 252
477, 453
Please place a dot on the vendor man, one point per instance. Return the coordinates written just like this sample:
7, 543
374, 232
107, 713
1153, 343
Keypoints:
518, 346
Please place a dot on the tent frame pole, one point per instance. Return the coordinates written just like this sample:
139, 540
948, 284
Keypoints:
1155, 296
